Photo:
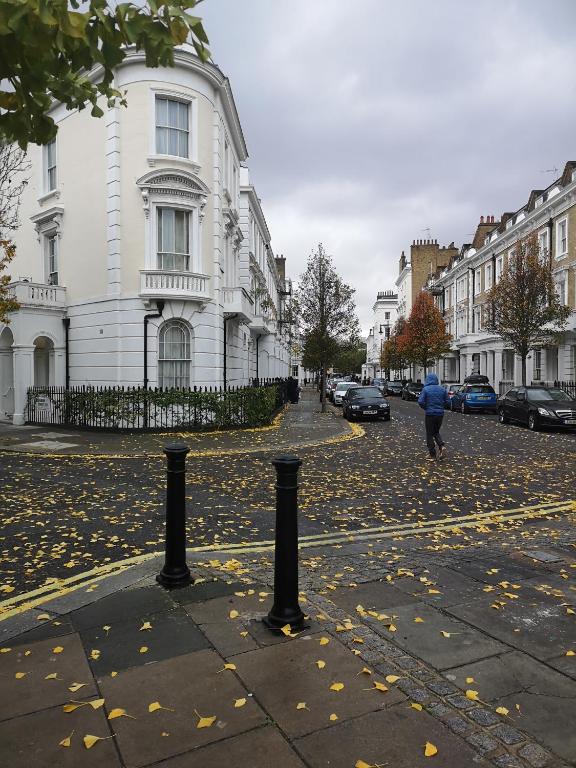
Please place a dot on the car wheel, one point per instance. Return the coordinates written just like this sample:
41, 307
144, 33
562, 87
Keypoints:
502, 418
463, 408
533, 421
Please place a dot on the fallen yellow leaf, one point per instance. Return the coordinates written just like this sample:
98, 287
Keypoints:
380, 687
53, 676
570, 653
90, 740
336, 686
233, 614
239, 703
472, 695
72, 707
333, 716
227, 666
114, 713
205, 722
361, 764
418, 620
320, 664
58, 649
20, 675
392, 678
301, 705
469, 680
416, 706
144, 649
76, 687
95, 654
145, 626
430, 750
155, 705
326, 640
502, 710
286, 630
96, 703
67, 741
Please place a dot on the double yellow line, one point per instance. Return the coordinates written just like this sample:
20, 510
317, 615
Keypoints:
62, 587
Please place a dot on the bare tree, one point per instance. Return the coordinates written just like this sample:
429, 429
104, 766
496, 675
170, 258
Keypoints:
326, 312
13, 168
523, 307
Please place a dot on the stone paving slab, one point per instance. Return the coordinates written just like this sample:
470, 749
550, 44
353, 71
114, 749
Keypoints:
120, 606
373, 595
190, 684
546, 699
395, 737
31, 690
261, 748
33, 741
523, 624
425, 640
124, 644
56, 627
287, 675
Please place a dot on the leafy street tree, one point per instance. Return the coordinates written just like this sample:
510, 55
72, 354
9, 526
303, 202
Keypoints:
392, 357
424, 337
49, 49
350, 356
523, 308
13, 167
326, 313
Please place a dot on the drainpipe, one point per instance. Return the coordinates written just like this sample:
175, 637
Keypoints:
257, 357
66, 323
231, 317
160, 306
550, 226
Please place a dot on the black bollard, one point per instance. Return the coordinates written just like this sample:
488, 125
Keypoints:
286, 609
175, 572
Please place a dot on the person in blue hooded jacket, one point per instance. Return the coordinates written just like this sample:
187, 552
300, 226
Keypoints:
432, 399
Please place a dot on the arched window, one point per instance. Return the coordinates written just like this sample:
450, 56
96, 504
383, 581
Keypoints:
174, 355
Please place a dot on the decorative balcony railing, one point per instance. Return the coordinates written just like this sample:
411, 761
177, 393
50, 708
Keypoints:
163, 284
237, 301
38, 294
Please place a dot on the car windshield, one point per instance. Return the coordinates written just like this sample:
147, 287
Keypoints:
547, 394
485, 389
379, 381
344, 385
365, 392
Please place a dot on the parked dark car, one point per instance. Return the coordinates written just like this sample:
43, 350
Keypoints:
381, 384
411, 390
451, 389
538, 407
476, 378
394, 388
474, 397
365, 403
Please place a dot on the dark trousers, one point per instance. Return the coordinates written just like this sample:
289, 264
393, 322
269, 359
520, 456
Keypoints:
433, 438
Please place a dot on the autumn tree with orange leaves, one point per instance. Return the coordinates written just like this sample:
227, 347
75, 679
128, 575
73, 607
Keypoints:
424, 336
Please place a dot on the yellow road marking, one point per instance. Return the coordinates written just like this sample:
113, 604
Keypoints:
27, 601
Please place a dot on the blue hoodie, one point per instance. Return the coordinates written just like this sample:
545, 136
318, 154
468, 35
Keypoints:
433, 397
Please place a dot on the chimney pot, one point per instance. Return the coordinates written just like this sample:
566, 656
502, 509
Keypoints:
481, 219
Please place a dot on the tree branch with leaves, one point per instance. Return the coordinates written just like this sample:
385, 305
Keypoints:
523, 308
51, 50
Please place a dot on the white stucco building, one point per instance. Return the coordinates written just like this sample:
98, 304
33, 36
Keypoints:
144, 223
384, 316
461, 289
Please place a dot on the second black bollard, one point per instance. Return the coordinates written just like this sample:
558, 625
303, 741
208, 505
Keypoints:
175, 572
286, 609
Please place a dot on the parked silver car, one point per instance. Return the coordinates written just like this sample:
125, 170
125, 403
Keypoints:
341, 388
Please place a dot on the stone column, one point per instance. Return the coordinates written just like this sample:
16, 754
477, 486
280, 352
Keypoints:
59, 366
517, 370
497, 363
463, 366
23, 378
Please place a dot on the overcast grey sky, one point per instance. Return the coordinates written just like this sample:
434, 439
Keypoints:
368, 122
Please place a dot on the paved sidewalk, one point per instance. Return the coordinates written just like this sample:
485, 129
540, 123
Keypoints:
404, 655
296, 426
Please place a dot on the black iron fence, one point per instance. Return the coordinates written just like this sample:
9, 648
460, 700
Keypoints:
136, 408
568, 386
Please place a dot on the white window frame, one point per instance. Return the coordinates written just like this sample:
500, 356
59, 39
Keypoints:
499, 267
52, 276
461, 289
537, 364
543, 246
560, 254
47, 187
477, 311
179, 131
157, 208
561, 279
191, 162
488, 276
188, 346
477, 282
